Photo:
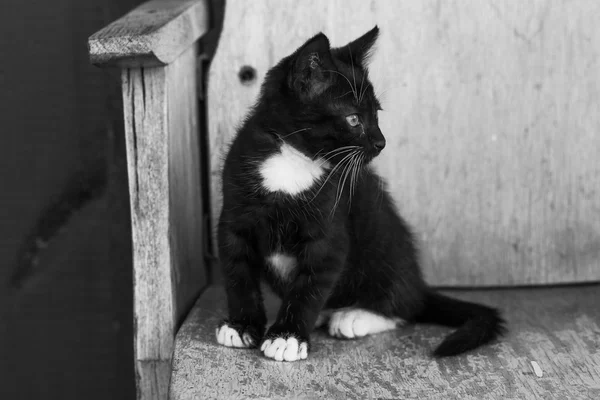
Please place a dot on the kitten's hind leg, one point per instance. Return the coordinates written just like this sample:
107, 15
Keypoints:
323, 318
351, 323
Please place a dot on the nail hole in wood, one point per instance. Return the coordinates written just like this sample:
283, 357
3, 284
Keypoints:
247, 75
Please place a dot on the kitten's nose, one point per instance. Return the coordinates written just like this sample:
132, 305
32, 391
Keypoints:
379, 144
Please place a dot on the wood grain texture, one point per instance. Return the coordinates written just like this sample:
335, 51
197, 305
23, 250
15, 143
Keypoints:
161, 121
155, 33
491, 117
559, 328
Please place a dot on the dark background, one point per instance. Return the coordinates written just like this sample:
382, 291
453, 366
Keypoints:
65, 328
66, 320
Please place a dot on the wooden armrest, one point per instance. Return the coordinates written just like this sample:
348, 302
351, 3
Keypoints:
155, 33
155, 45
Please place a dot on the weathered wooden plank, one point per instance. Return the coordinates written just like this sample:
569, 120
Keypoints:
557, 328
153, 379
161, 121
154, 33
491, 120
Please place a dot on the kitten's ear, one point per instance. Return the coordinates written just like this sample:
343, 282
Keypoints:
359, 50
313, 68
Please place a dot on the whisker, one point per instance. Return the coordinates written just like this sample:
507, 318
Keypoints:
340, 148
340, 189
356, 176
348, 80
381, 94
362, 164
361, 89
290, 134
348, 173
352, 176
333, 153
345, 158
363, 92
353, 179
348, 92
326, 159
353, 75
358, 169
339, 165
333, 170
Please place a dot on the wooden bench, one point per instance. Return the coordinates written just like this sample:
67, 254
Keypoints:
527, 214
555, 329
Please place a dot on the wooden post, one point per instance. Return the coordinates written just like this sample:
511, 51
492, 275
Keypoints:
155, 45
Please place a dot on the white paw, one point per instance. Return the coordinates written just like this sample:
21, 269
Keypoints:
352, 323
281, 349
229, 337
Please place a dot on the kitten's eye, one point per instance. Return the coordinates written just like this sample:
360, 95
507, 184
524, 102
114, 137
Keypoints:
353, 120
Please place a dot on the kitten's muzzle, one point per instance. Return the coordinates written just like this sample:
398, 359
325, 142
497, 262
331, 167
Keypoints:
379, 144
377, 140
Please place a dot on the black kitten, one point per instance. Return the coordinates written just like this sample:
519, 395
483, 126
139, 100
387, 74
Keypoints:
302, 211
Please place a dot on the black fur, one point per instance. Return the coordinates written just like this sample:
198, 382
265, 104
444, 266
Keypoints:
352, 247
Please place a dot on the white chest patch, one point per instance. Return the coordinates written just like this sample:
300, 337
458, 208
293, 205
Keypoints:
290, 171
282, 264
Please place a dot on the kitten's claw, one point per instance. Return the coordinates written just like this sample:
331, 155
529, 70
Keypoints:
280, 349
230, 337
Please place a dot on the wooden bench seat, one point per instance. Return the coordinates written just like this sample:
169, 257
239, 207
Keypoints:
558, 328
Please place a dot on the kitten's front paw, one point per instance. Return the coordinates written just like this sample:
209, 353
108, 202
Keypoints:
285, 347
237, 335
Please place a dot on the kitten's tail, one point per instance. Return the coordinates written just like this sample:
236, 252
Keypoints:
477, 324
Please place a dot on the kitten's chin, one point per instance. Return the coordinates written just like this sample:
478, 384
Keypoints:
369, 158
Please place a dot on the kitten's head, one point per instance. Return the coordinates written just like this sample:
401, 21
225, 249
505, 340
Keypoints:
326, 96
